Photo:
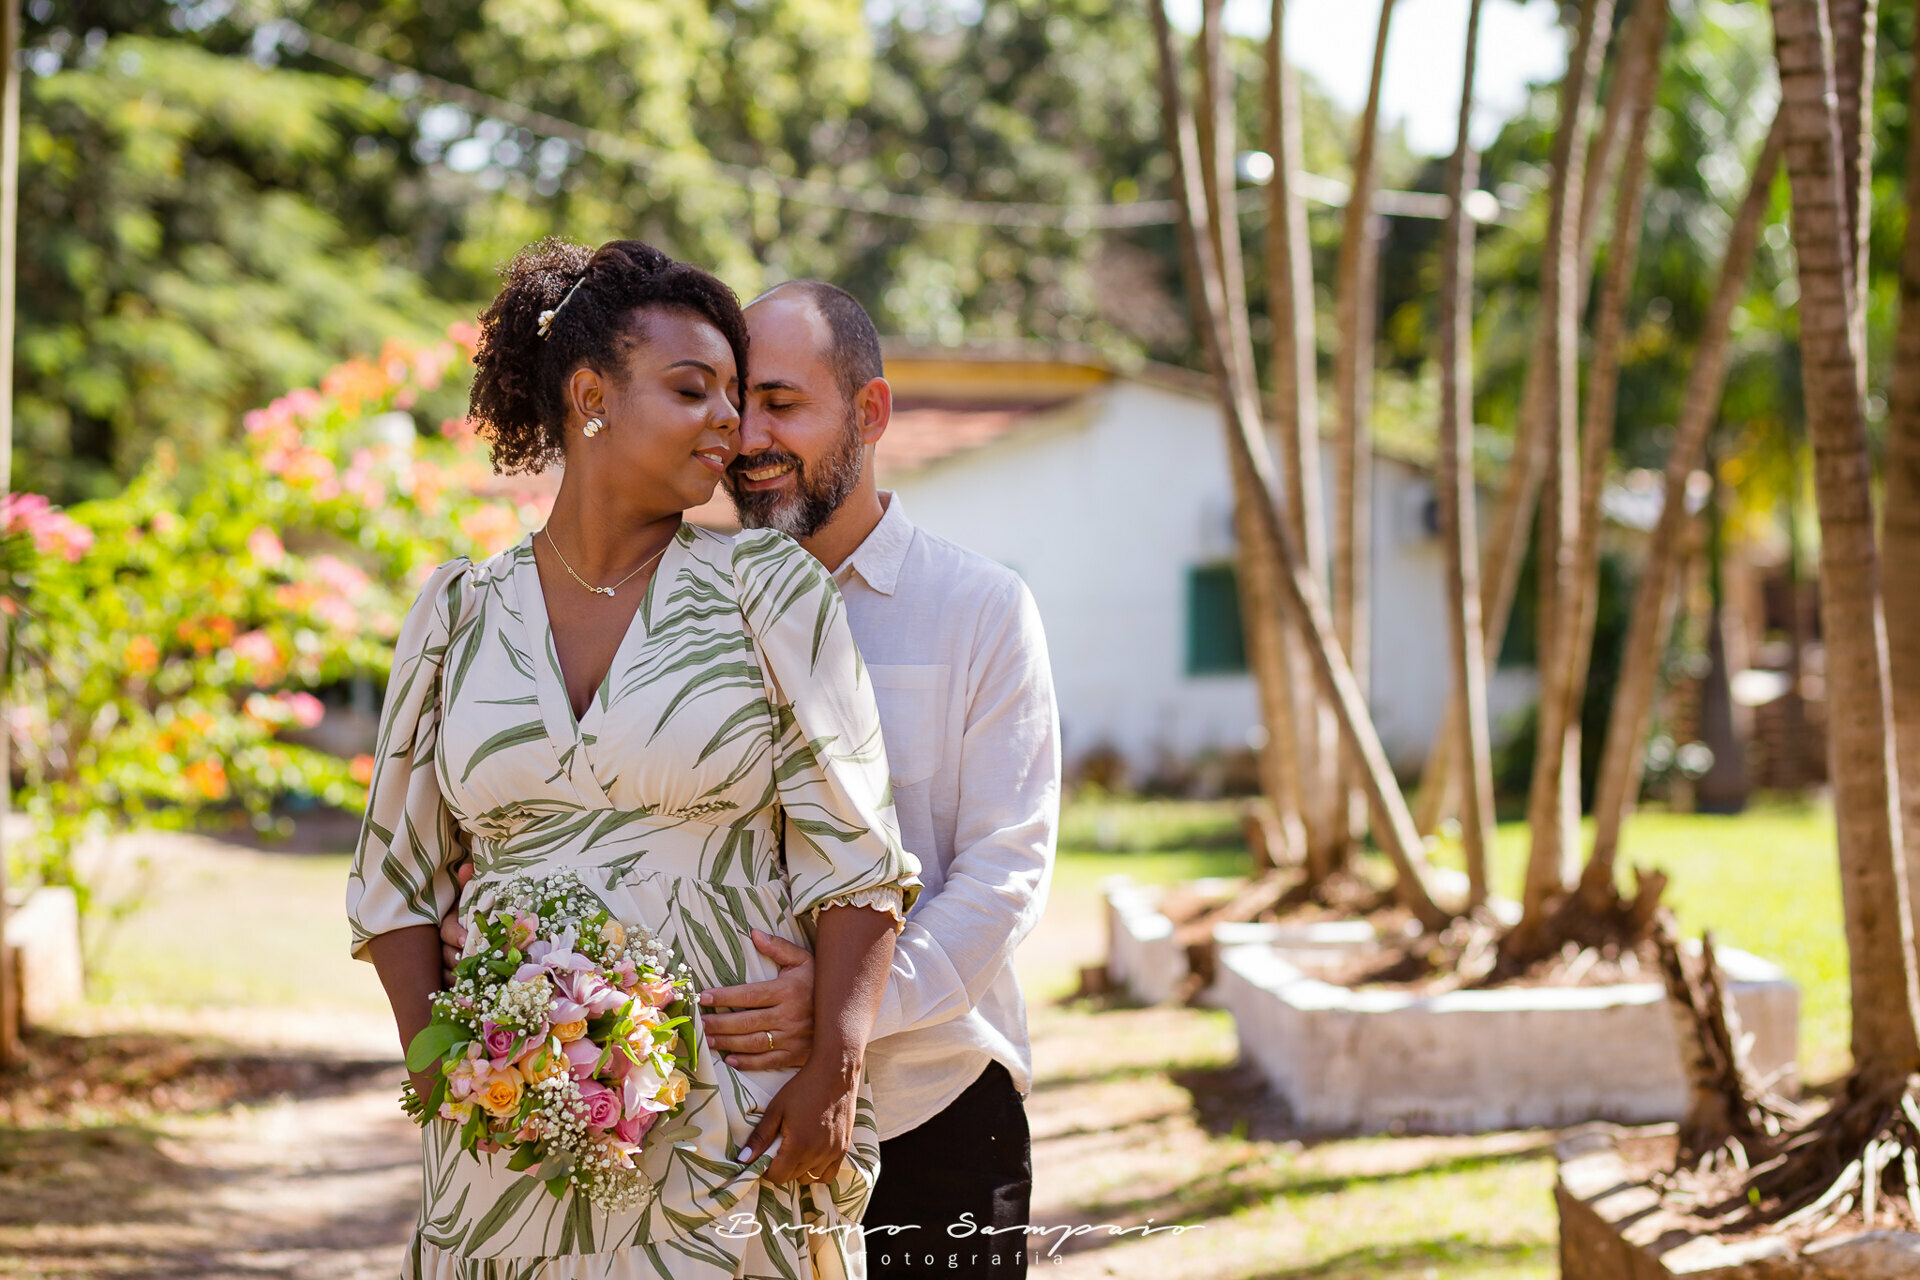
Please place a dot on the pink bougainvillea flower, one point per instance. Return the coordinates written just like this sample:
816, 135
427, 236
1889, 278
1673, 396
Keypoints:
53, 532
263, 544
260, 653
337, 574
307, 710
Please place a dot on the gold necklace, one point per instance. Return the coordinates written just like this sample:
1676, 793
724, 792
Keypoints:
602, 591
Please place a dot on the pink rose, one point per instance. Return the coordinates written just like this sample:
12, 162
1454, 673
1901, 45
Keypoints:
498, 1040
584, 1055
634, 1127
603, 1105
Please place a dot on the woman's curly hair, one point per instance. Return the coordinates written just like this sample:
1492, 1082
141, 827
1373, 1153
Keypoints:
519, 396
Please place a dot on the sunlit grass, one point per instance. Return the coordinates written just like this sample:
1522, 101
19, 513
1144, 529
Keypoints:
1765, 881
243, 929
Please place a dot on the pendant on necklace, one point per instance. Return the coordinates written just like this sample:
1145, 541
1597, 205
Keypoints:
605, 591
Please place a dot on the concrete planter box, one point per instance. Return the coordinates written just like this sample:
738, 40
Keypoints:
44, 932
1612, 1228
1144, 960
1472, 1061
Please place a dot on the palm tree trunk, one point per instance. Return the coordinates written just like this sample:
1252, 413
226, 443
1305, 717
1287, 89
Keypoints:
1247, 446
1901, 517
1640, 67
1466, 644
1651, 620
1513, 516
1296, 417
1261, 615
1352, 395
1855, 33
1551, 826
1886, 1045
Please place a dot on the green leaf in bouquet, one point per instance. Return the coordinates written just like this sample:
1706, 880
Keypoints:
691, 1045
436, 1040
435, 1096
527, 1155
601, 1028
555, 1167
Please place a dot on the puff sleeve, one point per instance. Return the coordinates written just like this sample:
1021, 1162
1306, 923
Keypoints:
841, 839
409, 838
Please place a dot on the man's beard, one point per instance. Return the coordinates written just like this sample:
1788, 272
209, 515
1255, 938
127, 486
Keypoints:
817, 491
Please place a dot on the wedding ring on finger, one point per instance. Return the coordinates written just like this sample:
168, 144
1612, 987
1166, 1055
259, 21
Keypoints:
769, 1036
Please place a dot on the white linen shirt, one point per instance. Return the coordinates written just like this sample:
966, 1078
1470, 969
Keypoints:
959, 667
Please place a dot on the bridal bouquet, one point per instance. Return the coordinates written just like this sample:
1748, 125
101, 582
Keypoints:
566, 1037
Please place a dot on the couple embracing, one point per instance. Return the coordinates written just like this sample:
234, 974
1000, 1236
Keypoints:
819, 759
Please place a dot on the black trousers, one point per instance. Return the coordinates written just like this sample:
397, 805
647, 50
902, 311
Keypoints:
954, 1193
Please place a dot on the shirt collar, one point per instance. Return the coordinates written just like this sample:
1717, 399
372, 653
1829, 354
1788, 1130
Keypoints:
878, 558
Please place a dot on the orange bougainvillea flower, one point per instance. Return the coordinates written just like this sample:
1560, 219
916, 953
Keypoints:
209, 778
356, 384
493, 527
361, 768
142, 656
206, 634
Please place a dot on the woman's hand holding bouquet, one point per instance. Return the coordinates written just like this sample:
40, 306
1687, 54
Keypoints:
565, 1039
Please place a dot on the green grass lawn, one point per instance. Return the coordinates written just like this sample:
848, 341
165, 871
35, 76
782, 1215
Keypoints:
1766, 881
240, 929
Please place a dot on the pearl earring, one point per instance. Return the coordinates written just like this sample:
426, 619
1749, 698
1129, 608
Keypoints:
594, 427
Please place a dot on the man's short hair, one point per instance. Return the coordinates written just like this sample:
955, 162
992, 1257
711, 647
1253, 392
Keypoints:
855, 349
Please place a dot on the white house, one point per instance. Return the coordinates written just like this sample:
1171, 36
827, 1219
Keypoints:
1108, 492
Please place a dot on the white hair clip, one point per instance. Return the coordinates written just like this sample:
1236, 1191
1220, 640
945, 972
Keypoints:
546, 317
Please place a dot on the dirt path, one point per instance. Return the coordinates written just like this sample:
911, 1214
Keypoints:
308, 1171
267, 1142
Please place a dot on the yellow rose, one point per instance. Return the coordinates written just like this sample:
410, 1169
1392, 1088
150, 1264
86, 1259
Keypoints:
614, 934
674, 1091
566, 1032
546, 1062
500, 1095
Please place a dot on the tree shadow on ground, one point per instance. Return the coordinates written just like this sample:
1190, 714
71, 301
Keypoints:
1233, 1103
129, 1077
1416, 1257
95, 1178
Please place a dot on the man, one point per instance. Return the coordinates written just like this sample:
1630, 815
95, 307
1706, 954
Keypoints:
959, 666
953, 644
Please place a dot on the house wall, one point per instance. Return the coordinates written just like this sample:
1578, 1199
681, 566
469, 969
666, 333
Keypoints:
1104, 508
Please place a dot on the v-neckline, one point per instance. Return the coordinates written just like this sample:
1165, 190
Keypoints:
556, 708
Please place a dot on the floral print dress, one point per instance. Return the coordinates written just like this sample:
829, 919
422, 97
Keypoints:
728, 775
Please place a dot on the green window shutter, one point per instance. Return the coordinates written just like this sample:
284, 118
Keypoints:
1216, 645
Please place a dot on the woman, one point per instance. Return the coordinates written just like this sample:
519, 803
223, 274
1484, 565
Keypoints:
679, 717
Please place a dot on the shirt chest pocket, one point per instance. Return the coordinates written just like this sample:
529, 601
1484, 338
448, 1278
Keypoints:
913, 702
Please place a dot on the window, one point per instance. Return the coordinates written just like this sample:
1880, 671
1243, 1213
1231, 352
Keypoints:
1216, 645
